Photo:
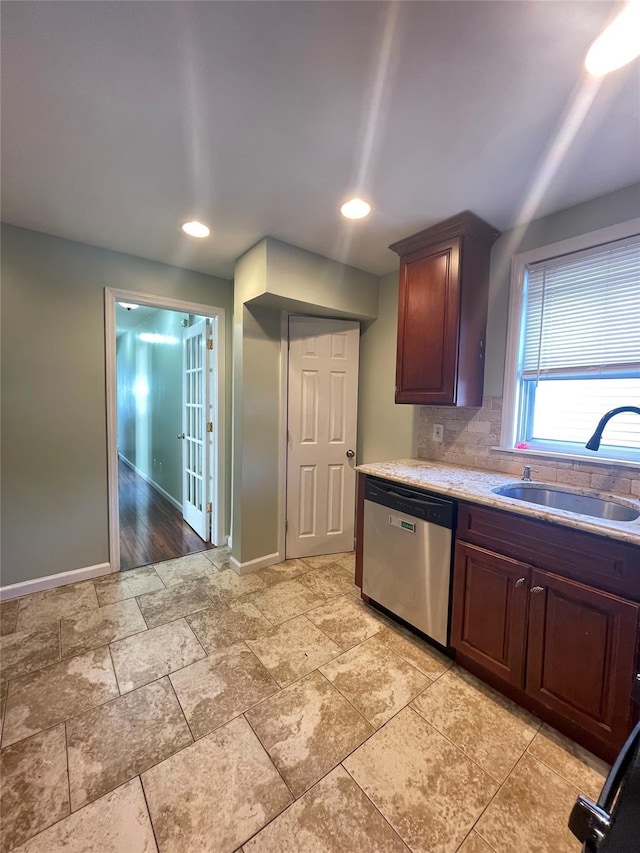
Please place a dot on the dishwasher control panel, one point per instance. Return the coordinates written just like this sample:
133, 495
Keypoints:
419, 504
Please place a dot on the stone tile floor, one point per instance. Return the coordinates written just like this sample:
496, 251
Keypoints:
181, 707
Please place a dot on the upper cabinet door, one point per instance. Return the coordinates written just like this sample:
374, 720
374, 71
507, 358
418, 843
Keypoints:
442, 312
428, 312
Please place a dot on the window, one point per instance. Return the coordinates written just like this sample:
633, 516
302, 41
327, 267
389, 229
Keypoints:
574, 346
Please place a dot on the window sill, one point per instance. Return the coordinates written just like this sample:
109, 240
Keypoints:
570, 457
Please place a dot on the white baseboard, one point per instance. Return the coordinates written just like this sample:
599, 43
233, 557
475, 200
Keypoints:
254, 565
151, 482
17, 590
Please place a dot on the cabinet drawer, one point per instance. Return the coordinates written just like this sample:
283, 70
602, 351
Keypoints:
607, 564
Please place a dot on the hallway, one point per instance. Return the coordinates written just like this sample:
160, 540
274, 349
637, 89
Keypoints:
151, 528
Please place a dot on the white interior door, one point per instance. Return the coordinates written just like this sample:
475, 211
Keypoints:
322, 417
195, 407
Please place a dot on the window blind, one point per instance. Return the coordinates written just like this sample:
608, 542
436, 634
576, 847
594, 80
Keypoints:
582, 313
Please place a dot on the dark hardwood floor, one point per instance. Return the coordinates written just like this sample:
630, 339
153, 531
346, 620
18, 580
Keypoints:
151, 528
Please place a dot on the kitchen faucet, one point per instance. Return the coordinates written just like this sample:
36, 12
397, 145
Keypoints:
594, 441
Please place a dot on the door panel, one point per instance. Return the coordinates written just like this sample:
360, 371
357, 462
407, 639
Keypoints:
195, 406
335, 502
307, 495
581, 654
490, 610
309, 407
322, 409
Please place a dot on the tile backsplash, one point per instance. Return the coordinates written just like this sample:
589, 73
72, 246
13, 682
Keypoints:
470, 435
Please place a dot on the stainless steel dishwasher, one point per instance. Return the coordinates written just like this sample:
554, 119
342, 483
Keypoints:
407, 549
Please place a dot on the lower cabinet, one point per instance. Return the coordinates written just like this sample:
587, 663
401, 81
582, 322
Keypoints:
581, 654
489, 618
563, 649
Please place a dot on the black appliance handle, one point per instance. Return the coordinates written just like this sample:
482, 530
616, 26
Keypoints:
619, 770
590, 822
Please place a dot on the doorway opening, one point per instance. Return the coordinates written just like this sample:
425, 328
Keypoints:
165, 403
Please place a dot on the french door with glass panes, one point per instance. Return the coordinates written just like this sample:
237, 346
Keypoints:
196, 508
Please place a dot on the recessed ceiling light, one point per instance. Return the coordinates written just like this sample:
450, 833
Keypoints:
195, 229
617, 45
128, 305
355, 208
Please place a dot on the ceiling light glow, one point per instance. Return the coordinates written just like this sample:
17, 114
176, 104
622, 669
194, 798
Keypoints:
355, 208
195, 229
618, 44
153, 338
128, 305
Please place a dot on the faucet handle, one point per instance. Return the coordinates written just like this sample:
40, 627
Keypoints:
526, 474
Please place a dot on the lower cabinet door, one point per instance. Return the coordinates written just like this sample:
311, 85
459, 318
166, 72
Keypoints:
489, 613
581, 650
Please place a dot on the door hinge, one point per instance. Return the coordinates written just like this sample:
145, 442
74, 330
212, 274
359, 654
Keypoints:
209, 343
209, 507
209, 426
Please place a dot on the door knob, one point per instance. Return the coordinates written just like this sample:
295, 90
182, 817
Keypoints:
350, 454
536, 589
519, 582
180, 435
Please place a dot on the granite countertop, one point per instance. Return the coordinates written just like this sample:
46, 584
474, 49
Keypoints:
475, 485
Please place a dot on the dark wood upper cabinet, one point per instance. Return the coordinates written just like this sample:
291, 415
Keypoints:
442, 312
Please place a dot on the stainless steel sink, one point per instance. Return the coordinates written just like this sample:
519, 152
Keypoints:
559, 498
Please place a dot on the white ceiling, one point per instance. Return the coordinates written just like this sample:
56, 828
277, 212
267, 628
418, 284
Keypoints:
122, 119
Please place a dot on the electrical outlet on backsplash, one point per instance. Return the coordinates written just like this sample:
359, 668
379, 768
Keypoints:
470, 435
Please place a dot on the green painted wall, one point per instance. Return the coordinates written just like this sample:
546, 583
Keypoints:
150, 400
270, 278
260, 419
249, 281
54, 447
385, 430
310, 280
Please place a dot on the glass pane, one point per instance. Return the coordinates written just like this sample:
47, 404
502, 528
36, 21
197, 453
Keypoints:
569, 410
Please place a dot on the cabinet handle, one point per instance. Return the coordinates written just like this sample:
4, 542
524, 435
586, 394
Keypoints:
536, 589
519, 582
